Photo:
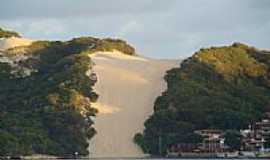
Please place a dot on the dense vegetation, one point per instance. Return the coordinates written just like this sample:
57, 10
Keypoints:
49, 111
7, 34
224, 88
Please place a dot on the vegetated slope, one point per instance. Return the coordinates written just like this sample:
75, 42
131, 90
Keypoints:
127, 87
45, 96
220, 88
8, 34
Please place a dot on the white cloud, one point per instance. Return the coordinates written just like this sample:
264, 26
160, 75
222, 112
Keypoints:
157, 28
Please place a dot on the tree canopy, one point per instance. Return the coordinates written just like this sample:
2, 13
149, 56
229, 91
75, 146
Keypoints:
223, 88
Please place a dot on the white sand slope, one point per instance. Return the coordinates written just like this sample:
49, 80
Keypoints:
6, 43
128, 87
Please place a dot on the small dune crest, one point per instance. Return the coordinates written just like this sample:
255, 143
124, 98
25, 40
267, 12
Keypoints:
7, 43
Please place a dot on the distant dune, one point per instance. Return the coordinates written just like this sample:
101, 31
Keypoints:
128, 87
6, 43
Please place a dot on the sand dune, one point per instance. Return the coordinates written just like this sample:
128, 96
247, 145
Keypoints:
6, 43
128, 87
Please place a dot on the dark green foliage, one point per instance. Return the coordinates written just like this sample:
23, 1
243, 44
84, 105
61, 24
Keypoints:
233, 139
7, 34
109, 44
267, 143
41, 113
139, 139
220, 88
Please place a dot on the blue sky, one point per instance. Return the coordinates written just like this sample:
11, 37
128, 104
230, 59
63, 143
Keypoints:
156, 28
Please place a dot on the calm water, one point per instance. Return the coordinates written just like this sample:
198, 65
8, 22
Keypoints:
151, 159
176, 159
156, 159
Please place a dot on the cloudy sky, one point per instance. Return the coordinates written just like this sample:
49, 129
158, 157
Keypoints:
157, 28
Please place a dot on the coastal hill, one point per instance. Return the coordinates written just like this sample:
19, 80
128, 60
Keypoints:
46, 94
86, 95
225, 88
98, 97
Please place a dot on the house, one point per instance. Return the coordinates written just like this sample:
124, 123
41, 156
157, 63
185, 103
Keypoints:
213, 140
255, 137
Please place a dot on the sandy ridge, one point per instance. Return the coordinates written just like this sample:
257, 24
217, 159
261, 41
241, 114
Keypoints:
128, 87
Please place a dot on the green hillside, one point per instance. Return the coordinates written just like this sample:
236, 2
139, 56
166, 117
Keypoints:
223, 88
45, 98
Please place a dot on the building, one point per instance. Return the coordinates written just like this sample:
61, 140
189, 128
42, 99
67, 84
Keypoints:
255, 137
213, 140
262, 129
